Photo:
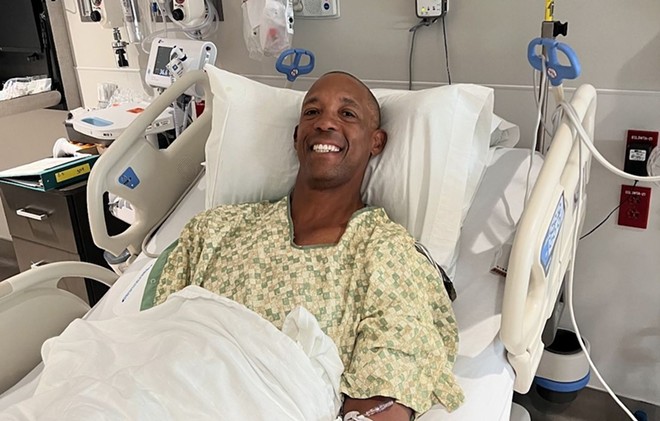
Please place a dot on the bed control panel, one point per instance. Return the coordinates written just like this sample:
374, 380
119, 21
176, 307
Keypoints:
431, 8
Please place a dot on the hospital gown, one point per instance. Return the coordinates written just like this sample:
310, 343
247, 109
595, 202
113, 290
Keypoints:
381, 301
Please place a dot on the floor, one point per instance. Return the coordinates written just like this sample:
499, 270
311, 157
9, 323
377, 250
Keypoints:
589, 405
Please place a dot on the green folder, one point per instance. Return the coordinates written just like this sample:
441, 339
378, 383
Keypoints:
50, 173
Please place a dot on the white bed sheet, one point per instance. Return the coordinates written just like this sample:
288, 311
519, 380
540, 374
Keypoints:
481, 367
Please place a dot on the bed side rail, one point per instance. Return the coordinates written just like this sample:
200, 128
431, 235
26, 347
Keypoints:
151, 179
33, 309
542, 248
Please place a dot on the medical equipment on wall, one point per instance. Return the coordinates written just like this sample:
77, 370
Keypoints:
188, 12
267, 27
197, 19
169, 59
431, 8
289, 64
548, 64
316, 9
113, 15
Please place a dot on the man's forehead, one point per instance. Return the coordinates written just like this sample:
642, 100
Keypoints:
350, 88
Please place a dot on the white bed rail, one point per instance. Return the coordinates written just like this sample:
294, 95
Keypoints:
542, 248
33, 309
150, 179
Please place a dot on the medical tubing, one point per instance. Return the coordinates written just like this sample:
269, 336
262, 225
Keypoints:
410, 59
149, 38
570, 113
160, 222
653, 161
211, 16
414, 29
444, 34
584, 138
571, 272
555, 120
539, 118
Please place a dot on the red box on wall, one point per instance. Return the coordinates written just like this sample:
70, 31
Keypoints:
635, 205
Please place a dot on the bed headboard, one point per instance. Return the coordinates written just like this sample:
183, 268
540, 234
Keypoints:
543, 245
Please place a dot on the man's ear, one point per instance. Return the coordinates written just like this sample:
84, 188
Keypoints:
379, 140
295, 136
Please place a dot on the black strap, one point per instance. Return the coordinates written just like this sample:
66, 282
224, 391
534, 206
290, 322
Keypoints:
449, 285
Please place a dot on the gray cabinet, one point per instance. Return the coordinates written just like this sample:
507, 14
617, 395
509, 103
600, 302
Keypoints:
53, 226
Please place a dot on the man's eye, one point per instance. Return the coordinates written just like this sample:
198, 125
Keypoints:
310, 112
348, 113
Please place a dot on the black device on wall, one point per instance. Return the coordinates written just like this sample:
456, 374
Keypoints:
26, 43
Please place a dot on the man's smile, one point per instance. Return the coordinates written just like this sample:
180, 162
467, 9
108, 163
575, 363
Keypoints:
325, 148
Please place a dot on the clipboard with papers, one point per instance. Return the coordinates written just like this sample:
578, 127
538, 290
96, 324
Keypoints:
50, 173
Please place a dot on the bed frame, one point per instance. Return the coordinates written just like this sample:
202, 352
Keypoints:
533, 282
543, 245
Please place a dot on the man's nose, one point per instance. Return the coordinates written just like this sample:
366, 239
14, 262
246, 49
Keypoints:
325, 122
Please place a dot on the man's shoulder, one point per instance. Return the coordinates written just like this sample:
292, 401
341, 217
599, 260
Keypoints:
226, 214
388, 232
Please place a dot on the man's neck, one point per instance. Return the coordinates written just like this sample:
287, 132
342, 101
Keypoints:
321, 216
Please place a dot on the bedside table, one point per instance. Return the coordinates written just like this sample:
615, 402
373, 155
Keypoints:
53, 226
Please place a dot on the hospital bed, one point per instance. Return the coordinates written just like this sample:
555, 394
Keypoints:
500, 321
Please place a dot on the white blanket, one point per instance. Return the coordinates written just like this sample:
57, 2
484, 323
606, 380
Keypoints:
197, 356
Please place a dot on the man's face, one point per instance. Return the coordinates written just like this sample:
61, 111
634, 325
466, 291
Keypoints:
338, 132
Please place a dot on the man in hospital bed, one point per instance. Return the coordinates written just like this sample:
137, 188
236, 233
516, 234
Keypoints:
356, 271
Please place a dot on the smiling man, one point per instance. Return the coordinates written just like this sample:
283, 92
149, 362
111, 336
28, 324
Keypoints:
381, 302
337, 134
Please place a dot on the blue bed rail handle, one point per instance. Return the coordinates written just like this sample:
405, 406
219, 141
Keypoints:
556, 72
294, 69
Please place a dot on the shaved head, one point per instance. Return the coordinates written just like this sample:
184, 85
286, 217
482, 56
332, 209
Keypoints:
373, 104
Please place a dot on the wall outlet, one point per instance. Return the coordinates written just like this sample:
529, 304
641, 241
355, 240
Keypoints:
635, 205
639, 144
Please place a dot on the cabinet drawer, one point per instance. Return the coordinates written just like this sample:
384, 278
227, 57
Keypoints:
39, 217
28, 253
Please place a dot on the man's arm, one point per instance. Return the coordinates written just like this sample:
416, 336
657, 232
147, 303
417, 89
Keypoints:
396, 412
406, 337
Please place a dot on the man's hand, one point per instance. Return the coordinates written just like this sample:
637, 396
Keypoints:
396, 412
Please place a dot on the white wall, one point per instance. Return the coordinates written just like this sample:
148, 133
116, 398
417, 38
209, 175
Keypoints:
619, 46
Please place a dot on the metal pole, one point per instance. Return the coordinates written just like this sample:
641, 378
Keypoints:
547, 31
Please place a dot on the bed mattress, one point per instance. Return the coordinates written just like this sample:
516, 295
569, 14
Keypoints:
481, 367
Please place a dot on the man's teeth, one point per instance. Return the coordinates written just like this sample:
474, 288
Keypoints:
325, 148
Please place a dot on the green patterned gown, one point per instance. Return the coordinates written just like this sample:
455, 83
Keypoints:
381, 301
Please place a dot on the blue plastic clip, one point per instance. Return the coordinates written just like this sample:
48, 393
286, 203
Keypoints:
129, 179
556, 72
293, 70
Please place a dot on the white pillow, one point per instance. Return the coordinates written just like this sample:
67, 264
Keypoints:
425, 178
503, 133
